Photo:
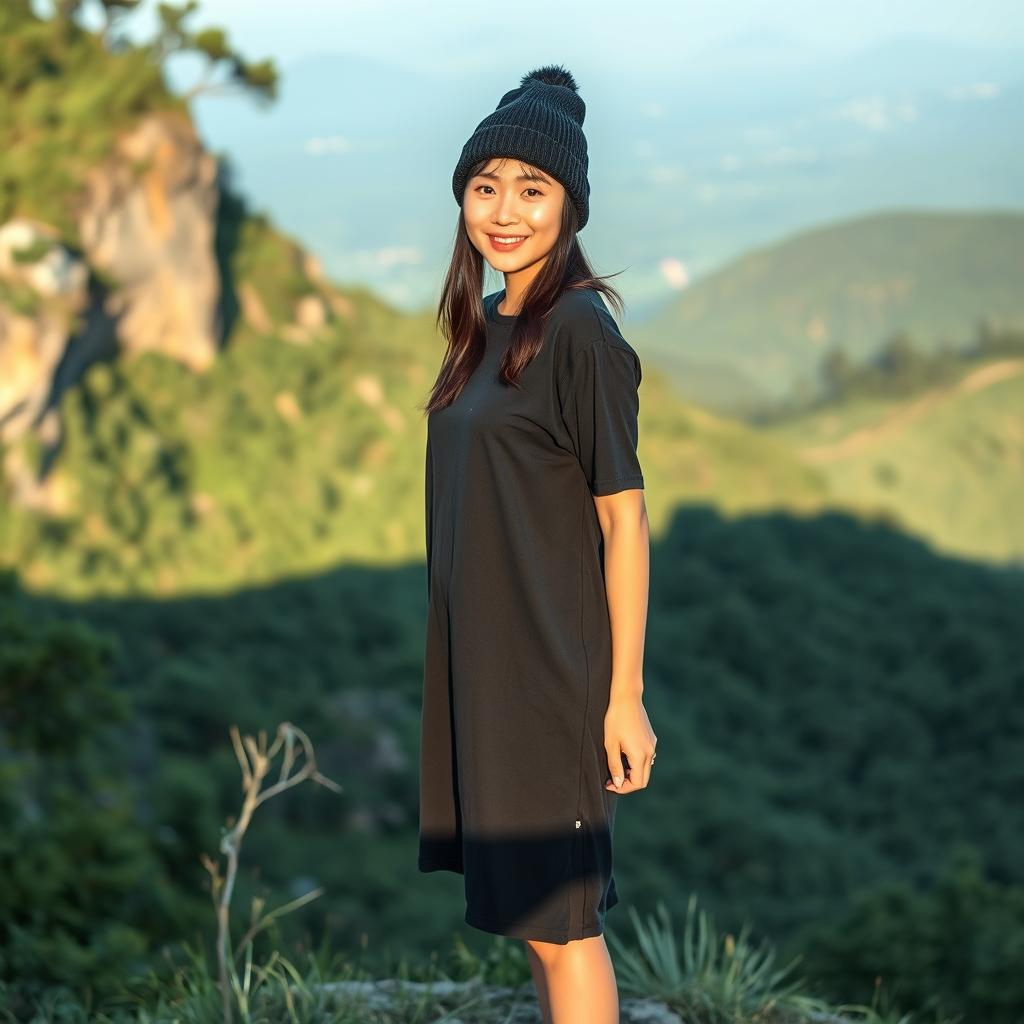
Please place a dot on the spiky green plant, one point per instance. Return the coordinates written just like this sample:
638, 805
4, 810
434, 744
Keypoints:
713, 981
729, 980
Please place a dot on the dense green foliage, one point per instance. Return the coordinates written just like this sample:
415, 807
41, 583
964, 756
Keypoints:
959, 944
66, 97
901, 368
285, 458
83, 897
837, 708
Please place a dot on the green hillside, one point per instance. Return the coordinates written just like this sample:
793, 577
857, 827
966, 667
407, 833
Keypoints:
837, 712
947, 464
772, 314
252, 540
285, 459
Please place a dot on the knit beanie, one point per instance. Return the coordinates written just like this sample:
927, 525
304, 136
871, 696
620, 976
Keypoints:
540, 122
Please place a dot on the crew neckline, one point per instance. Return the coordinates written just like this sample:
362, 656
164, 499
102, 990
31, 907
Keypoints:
500, 318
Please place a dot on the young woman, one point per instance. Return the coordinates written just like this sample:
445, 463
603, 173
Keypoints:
537, 559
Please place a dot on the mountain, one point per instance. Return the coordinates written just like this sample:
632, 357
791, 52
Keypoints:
771, 315
695, 158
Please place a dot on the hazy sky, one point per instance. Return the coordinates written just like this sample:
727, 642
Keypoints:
715, 126
649, 33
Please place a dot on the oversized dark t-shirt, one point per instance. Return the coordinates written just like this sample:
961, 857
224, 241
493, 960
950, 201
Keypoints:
518, 643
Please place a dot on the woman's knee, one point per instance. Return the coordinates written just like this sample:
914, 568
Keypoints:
550, 951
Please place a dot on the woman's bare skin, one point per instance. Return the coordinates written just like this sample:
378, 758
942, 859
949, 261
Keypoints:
575, 982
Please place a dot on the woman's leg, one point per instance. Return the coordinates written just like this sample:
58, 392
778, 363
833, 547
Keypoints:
539, 980
575, 982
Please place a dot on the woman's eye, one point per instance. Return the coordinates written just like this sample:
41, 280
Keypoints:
537, 190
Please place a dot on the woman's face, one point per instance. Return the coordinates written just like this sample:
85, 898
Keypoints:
509, 199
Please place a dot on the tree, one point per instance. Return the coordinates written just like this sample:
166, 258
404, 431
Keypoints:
838, 370
84, 896
898, 357
258, 77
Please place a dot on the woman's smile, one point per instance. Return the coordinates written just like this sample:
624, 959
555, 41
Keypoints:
506, 243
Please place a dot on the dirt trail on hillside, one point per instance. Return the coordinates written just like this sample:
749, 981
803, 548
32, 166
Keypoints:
856, 442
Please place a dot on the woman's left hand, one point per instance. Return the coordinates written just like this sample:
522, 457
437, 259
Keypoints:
628, 735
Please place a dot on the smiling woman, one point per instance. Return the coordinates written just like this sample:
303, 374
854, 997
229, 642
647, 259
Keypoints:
508, 208
521, 181
536, 542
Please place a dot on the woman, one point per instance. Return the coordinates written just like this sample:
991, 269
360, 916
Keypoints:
537, 559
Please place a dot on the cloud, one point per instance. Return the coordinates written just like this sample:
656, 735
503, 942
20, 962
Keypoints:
388, 257
328, 144
667, 174
876, 113
711, 192
974, 91
761, 135
788, 155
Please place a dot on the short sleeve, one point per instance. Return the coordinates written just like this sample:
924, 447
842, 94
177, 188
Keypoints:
600, 405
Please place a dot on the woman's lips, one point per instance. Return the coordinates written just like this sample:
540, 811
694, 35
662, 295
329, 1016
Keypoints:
506, 246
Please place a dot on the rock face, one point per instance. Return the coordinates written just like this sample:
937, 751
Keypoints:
43, 287
147, 226
140, 275
148, 220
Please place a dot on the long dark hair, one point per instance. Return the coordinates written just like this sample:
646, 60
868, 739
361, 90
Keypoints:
460, 315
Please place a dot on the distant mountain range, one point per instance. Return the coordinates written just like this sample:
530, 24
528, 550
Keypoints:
758, 328
754, 140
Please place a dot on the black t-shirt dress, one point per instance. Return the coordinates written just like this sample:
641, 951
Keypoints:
518, 643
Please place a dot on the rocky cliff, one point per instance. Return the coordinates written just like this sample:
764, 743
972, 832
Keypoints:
141, 275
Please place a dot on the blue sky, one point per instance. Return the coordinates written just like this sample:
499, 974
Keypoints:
713, 127
645, 35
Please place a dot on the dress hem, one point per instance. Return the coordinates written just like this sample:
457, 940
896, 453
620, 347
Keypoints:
525, 931
561, 936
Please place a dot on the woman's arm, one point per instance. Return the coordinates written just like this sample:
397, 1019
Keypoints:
623, 519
